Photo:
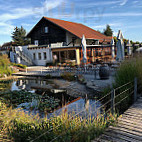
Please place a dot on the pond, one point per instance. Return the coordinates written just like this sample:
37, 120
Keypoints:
44, 97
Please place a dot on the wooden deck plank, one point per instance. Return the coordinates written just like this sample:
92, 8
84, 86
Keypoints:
112, 139
120, 136
130, 124
129, 127
132, 116
134, 111
133, 136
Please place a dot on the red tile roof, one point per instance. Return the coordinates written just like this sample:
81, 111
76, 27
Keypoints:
78, 29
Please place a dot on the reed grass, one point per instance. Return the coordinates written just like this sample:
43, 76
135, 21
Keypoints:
128, 70
21, 126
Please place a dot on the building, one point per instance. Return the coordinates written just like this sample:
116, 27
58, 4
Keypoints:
6, 47
53, 37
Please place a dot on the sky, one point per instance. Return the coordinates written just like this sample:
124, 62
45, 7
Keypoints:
124, 15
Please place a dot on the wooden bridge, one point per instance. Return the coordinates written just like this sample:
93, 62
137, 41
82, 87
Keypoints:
128, 128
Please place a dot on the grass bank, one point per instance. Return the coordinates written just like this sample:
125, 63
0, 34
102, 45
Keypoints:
5, 69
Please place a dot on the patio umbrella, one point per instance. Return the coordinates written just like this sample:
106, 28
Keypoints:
120, 47
112, 48
129, 45
84, 49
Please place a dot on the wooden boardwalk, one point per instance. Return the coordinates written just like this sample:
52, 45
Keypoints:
129, 127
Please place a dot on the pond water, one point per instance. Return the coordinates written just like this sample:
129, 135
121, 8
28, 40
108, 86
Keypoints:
37, 96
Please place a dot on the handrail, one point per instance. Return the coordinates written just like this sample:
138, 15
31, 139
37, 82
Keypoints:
123, 92
123, 85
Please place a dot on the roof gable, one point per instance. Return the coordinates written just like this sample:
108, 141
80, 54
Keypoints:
77, 29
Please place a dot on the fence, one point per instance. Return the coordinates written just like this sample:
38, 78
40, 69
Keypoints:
60, 70
116, 100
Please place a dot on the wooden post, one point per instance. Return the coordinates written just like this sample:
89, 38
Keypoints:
59, 56
135, 89
113, 101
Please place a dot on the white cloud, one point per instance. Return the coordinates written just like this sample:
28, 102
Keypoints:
106, 3
6, 29
123, 2
113, 25
50, 4
134, 2
24, 12
125, 14
17, 13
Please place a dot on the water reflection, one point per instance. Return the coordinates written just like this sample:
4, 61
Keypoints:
29, 84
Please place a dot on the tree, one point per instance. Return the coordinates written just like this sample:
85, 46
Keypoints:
108, 31
99, 31
19, 36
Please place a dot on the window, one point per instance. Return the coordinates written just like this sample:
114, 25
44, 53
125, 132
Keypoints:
39, 56
46, 29
34, 56
44, 55
36, 42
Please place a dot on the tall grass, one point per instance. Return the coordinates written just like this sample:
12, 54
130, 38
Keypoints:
18, 125
4, 66
128, 70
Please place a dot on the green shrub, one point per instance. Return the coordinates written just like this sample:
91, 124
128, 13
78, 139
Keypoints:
5, 66
68, 76
48, 76
50, 64
19, 65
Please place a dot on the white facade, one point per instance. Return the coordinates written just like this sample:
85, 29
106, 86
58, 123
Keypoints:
31, 56
41, 56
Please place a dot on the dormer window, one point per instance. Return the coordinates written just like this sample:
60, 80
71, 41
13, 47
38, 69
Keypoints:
46, 29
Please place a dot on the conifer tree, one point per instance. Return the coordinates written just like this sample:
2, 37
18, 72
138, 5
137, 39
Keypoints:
108, 31
19, 36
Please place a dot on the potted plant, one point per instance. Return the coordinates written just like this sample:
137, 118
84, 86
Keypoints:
104, 72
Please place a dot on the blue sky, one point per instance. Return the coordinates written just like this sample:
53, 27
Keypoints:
125, 15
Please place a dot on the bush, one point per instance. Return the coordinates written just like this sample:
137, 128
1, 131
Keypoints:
48, 76
5, 66
19, 65
50, 64
68, 76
